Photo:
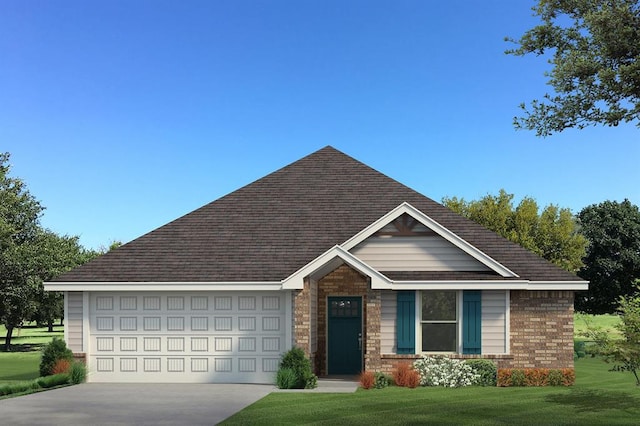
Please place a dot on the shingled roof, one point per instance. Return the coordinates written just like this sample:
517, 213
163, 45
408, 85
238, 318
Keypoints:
274, 226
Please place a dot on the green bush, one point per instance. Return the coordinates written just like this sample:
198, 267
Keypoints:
52, 352
286, 378
555, 378
381, 380
579, 349
518, 378
52, 381
34, 385
486, 370
296, 360
77, 373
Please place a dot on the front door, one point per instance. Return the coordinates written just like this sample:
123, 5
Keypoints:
344, 335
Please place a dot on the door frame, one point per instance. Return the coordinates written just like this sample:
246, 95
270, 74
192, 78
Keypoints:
328, 336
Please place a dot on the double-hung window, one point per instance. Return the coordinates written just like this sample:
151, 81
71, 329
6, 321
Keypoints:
439, 321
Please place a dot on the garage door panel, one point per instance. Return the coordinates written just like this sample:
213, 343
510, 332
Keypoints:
193, 337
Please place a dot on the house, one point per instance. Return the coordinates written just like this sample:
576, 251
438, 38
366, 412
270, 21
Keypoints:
327, 254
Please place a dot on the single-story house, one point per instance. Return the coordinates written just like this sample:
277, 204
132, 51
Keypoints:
327, 254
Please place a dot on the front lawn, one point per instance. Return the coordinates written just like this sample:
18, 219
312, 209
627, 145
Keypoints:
23, 362
598, 397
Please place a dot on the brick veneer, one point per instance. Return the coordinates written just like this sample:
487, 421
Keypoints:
541, 325
541, 329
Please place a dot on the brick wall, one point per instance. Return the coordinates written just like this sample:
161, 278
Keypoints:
541, 329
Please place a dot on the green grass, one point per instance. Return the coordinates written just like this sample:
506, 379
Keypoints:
606, 322
23, 362
599, 397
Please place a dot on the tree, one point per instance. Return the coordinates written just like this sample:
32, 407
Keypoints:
595, 70
612, 263
552, 234
625, 352
19, 225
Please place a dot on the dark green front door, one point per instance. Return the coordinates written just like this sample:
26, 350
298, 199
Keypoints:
344, 335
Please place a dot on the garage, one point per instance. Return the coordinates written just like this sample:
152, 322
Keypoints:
194, 337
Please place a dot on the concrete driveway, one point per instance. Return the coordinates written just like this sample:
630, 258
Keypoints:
131, 404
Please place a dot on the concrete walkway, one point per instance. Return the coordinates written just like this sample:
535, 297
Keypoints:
144, 404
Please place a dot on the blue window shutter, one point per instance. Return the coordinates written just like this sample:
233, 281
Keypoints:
406, 322
472, 322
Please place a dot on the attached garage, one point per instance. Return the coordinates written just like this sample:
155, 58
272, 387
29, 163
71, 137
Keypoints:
196, 337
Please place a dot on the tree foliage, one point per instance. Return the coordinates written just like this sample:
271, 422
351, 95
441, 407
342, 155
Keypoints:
623, 353
29, 255
595, 67
612, 263
552, 233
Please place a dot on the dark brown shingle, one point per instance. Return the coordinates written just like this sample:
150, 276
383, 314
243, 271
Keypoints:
270, 228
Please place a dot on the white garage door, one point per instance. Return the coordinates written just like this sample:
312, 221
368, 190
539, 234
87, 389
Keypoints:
197, 337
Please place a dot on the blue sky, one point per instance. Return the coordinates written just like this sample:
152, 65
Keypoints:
124, 115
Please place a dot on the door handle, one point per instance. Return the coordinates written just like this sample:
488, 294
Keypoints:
360, 341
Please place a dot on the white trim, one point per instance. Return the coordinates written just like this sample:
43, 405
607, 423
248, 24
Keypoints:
435, 227
489, 285
86, 335
296, 280
507, 324
288, 312
163, 286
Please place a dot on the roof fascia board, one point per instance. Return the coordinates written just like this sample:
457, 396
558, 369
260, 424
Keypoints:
435, 227
162, 286
296, 280
489, 285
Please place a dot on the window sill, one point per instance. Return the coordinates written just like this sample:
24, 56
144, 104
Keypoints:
448, 355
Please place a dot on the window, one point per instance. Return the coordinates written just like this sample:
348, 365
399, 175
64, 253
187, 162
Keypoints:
439, 321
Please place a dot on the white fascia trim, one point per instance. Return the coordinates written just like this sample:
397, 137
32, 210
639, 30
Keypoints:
296, 280
435, 227
489, 285
163, 286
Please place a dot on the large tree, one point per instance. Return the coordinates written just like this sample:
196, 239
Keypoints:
612, 263
593, 47
19, 228
551, 233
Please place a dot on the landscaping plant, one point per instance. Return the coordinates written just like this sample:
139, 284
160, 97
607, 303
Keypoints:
367, 379
486, 370
443, 371
381, 380
296, 360
53, 352
286, 378
77, 373
404, 375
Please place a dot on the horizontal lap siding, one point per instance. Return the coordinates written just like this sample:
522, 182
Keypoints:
494, 322
388, 323
74, 320
415, 254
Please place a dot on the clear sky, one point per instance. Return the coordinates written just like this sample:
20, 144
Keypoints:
124, 115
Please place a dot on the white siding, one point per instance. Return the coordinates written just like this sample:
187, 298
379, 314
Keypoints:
388, 322
74, 320
494, 317
432, 253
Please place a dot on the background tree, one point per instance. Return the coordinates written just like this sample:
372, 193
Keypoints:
552, 234
595, 67
612, 263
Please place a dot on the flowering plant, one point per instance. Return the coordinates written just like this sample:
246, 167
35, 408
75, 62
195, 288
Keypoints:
443, 371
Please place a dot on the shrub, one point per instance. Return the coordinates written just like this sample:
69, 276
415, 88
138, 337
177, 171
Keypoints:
296, 360
54, 380
568, 376
61, 366
286, 378
52, 352
77, 373
367, 379
518, 377
579, 349
504, 377
400, 373
486, 371
442, 371
381, 380
536, 377
412, 380
555, 378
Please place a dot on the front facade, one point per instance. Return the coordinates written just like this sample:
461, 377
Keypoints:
326, 254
